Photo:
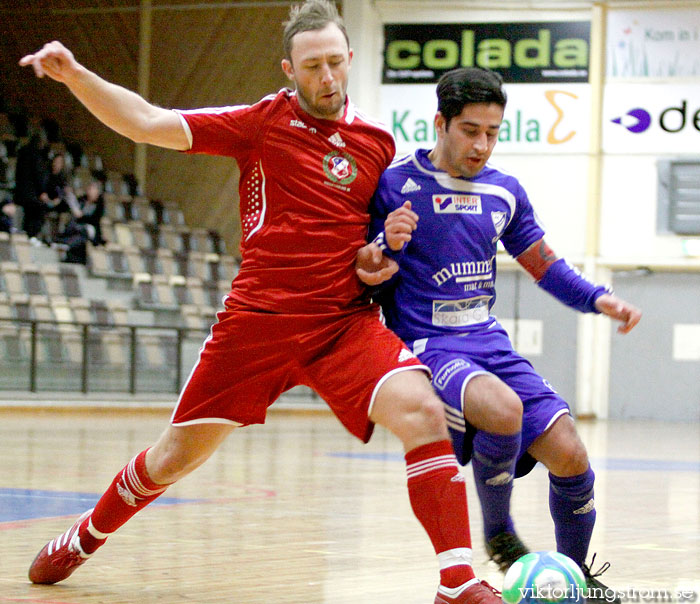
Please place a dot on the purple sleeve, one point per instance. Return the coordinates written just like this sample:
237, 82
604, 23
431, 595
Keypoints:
568, 286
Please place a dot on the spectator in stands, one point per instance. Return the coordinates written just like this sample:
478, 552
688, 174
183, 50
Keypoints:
84, 226
54, 196
7, 215
31, 177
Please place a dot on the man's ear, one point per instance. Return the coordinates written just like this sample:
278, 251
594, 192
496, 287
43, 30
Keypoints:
440, 123
288, 69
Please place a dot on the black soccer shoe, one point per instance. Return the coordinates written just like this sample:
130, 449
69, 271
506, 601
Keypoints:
504, 549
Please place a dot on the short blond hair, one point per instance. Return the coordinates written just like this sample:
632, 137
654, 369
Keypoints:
312, 15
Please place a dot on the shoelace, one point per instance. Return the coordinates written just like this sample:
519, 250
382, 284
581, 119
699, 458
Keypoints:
600, 571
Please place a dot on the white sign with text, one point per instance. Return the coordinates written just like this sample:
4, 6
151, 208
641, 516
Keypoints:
650, 118
542, 118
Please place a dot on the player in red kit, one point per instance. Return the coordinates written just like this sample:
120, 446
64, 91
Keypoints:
297, 312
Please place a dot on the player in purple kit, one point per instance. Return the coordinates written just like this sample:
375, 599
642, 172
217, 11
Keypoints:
501, 414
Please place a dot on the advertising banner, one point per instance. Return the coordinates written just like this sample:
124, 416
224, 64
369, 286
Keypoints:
650, 118
653, 43
544, 52
543, 118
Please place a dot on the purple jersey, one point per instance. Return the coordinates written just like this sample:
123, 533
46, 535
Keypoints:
446, 284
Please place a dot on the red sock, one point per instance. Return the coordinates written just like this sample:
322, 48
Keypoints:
130, 491
438, 497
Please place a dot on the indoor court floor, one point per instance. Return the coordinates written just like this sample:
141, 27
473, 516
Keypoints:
298, 511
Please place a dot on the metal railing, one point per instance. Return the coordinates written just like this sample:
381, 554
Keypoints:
24, 365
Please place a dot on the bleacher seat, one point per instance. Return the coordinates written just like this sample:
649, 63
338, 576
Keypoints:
172, 214
199, 240
15, 247
153, 292
71, 309
33, 280
143, 210
178, 285
7, 253
154, 238
70, 281
108, 313
139, 235
194, 317
107, 228
166, 262
12, 278
21, 307
110, 260
124, 235
113, 209
219, 268
216, 244
170, 238
51, 275
198, 294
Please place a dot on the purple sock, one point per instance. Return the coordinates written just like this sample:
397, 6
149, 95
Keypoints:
572, 507
493, 462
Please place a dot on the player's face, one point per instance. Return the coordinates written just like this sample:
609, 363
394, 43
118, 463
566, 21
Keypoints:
320, 61
466, 145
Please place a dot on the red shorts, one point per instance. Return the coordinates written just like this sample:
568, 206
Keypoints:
250, 358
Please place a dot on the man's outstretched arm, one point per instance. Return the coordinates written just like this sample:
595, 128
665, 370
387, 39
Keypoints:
565, 283
120, 109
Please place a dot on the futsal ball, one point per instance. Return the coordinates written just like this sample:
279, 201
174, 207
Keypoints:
542, 578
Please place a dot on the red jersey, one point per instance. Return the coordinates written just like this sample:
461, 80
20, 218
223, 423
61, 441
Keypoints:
304, 190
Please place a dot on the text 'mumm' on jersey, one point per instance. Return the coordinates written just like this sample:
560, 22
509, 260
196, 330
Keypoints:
446, 282
305, 187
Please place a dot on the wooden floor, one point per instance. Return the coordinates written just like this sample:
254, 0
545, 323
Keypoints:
297, 511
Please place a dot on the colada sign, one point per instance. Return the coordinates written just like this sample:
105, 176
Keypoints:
521, 52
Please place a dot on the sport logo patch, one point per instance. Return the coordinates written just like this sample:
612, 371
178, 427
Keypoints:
340, 167
447, 372
499, 223
457, 204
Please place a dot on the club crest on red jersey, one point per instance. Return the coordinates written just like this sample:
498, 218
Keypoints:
340, 167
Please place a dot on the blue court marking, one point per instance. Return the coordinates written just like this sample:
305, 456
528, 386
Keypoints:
29, 504
611, 463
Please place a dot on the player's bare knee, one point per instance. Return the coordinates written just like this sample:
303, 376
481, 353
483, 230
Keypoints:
509, 419
432, 411
170, 463
571, 460
420, 422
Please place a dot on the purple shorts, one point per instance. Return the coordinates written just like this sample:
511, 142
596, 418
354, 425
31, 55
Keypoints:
454, 360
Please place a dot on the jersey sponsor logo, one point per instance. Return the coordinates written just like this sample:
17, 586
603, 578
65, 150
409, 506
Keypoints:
461, 313
409, 186
299, 124
336, 140
466, 272
457, 204
448, 371
340, 167
499, 223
